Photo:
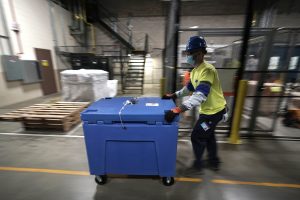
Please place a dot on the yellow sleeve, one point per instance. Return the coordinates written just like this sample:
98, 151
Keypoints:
207, 75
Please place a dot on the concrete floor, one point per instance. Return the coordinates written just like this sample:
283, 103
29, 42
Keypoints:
251, 163
53, 165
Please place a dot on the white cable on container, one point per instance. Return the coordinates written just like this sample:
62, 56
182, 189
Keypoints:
120, 112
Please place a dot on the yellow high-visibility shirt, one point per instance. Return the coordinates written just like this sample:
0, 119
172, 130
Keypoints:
215, 101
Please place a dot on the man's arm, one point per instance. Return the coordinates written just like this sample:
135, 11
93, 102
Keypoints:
185, 91
198, 96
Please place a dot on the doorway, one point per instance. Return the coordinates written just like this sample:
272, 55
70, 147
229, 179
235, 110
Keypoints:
49, 83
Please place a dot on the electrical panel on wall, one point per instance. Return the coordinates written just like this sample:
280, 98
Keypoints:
31, 71
27, 71
11, 67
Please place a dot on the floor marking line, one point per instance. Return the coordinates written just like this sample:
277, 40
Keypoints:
81, 173
42, 135
50, 171
232, 182
179, 179
184, 179
75, 129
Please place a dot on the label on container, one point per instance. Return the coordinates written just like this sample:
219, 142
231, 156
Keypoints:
152, 104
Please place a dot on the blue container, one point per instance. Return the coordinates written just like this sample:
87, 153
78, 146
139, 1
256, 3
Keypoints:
142, 144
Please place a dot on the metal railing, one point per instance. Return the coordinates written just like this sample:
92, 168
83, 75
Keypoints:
114, 23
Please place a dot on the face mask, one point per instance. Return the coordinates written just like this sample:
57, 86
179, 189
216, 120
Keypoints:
190, 60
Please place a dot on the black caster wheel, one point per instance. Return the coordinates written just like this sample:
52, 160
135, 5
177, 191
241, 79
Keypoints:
168, 181
101, 180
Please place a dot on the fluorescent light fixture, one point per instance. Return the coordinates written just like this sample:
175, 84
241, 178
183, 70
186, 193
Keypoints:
185, 0
194, 27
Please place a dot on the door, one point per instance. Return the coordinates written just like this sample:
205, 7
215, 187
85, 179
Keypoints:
49, 83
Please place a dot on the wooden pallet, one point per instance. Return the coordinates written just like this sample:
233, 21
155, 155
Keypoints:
58, 116
17, 114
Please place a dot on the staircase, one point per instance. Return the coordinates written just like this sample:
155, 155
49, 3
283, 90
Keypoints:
98, 15
134, 78
132, 72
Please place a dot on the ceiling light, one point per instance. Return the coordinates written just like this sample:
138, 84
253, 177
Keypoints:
194, 27
185, 0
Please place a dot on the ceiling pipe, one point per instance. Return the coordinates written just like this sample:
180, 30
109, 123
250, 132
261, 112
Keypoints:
15, 27
5, 28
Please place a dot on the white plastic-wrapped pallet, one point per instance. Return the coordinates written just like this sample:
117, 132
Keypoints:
69, 81
84, 85
112, 86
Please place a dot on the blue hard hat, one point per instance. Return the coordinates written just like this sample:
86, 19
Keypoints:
195, 43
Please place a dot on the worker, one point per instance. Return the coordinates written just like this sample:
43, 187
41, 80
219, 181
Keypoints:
206, 92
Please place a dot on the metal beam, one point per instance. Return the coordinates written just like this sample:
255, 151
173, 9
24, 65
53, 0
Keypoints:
232, 31
263, 63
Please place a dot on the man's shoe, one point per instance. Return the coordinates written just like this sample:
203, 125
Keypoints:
215, 166
193, 171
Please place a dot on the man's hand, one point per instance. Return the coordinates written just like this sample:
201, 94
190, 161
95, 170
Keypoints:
171, 114
225, 115
170, 96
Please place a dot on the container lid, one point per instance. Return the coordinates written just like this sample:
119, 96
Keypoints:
148, 110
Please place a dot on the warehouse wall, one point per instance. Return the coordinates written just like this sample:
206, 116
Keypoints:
103, 37
155, 27
287, 20
62, 19
231, 21
35, 32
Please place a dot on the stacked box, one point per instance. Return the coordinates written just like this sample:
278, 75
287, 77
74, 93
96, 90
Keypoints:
84, 85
